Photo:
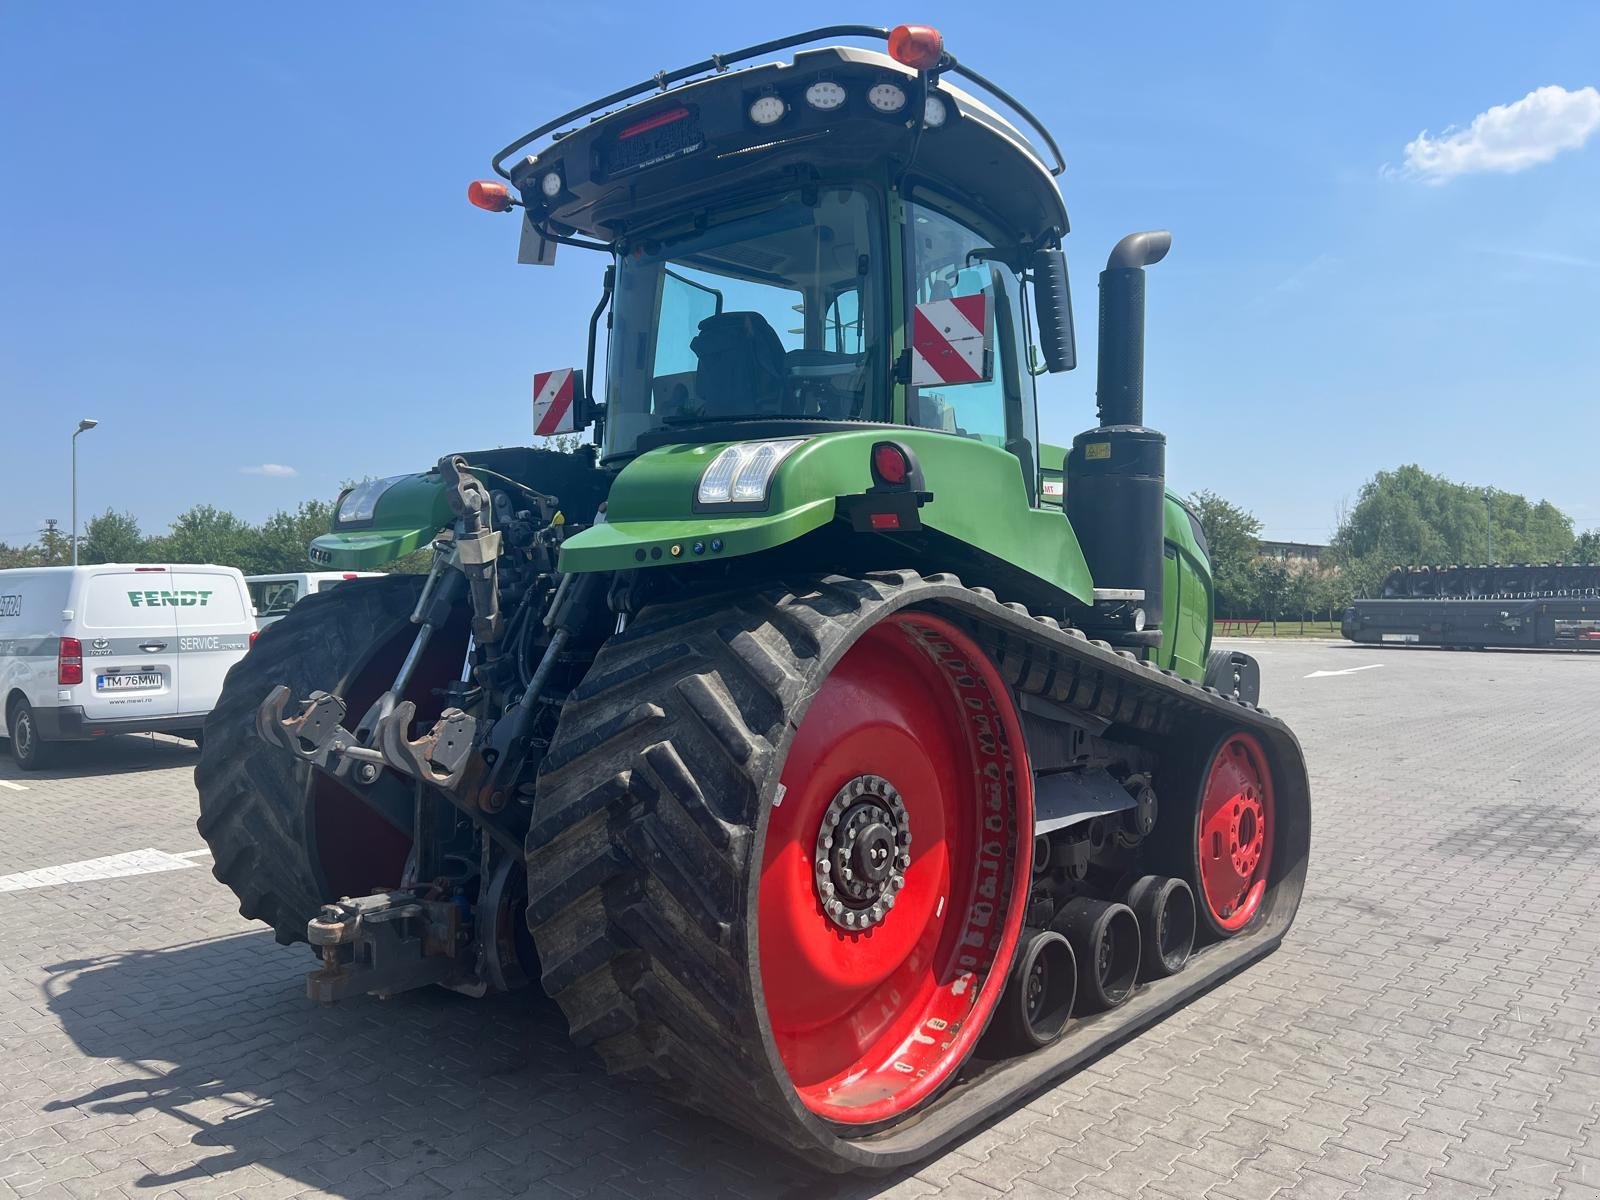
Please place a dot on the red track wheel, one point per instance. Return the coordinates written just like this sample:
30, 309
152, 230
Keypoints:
895, 871
1235, 832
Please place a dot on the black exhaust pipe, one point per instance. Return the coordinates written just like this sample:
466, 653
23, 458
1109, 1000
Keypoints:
1117, 473
1119, 389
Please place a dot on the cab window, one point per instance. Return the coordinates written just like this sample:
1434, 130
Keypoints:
948, 259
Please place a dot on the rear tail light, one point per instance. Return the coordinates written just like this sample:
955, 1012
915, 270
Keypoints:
69, 662
653, 121
254, 634
889, 464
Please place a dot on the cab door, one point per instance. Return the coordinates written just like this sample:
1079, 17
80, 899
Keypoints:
129, 636
214, 627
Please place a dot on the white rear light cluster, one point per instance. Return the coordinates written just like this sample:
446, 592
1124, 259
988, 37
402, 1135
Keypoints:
825, 95
742, 474
886, 97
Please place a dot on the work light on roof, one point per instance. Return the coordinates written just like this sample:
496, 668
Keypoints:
886, 97
768, 109
934, 112
550, 185
825, 95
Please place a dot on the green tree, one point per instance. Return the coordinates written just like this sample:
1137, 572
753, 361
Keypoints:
207, 534
28, 555
284, 537
1234, 537
55, 545
113, 537
1408, 516
1586, 549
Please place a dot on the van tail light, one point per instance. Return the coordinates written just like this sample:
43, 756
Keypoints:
69, 662
254, 634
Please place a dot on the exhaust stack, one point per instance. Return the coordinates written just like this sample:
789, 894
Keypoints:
1117, 473
1119, 388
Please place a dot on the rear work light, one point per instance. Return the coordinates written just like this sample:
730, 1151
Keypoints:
69, 662
489, 195
919, 47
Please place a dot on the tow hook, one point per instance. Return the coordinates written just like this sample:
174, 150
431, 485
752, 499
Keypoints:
383, 944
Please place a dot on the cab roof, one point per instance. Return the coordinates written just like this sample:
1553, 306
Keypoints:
660, 154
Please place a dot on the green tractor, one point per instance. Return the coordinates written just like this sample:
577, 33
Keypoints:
840, 758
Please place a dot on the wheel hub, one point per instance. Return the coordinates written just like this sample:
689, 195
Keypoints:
1245, 830
863, 850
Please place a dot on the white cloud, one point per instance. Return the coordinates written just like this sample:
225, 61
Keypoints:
1508, 137
276, 470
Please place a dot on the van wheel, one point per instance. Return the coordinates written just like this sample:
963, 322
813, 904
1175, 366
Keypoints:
29, 752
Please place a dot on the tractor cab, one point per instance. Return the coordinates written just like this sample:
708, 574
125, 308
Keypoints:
809, 246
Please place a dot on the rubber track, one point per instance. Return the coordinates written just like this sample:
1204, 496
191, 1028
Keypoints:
645, 842
253, 797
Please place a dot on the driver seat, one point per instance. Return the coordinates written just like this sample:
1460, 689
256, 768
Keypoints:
741, 368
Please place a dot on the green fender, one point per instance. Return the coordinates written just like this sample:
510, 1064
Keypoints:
978, 498
406, 516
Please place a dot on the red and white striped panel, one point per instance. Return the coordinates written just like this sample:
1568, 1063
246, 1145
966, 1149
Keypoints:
553, 409
950, 341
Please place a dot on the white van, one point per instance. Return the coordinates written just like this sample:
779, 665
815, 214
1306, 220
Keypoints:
115, 648
274, 595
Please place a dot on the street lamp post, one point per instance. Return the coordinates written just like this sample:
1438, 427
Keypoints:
84, 426
1488, 508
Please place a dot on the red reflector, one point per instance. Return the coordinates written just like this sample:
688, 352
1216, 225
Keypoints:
885, 520
69, 661
654, 121
351, 575
489, 195
919, 47
254, 634
889, 463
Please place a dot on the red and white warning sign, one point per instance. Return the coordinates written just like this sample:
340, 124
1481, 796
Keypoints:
950, 341
553, 407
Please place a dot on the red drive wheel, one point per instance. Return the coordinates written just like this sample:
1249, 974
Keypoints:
1234, 834
895, 871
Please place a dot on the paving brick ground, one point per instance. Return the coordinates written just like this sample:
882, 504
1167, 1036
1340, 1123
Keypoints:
1432, 1024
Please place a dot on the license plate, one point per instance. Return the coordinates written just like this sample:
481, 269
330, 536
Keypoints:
126, 683
1401, 637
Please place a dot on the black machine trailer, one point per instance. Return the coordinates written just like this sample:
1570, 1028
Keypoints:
1550, 605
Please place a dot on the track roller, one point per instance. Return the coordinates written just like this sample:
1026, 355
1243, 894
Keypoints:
1165, 909
1038, 998
1105, 939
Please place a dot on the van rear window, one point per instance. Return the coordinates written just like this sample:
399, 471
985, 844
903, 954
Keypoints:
208, 599
124, 599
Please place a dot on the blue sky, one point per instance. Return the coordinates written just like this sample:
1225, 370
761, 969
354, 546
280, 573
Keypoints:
237, 235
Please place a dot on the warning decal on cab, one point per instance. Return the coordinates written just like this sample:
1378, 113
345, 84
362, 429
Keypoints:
951, 341
553, 408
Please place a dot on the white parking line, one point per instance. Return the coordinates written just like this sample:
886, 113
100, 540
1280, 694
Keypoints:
15, 787
115, 866
1346, 671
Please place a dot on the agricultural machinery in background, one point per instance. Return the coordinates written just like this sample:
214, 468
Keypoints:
1550, 605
